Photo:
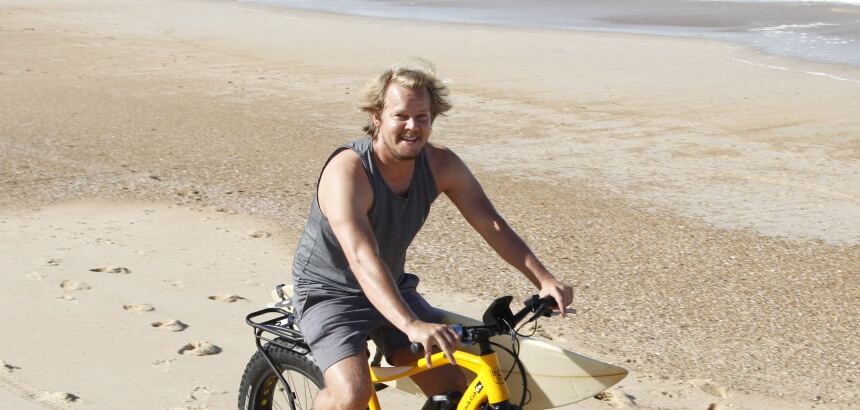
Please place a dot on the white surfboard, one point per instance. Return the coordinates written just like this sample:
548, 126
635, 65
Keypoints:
556, 377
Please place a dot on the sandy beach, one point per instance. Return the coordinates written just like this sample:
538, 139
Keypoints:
158, 160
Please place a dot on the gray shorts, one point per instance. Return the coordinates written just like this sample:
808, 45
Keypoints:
336, 326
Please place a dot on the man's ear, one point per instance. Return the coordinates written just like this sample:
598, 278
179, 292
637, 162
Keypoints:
375, 117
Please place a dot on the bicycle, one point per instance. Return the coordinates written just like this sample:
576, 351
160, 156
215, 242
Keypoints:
283, 374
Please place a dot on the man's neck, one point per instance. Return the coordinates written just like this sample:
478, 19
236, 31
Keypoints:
397, 173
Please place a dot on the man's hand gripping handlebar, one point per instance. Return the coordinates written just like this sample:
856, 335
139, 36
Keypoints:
500, 320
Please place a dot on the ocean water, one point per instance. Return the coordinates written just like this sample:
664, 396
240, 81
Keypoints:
818, 31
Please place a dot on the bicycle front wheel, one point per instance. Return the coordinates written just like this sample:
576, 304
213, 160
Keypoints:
262, 390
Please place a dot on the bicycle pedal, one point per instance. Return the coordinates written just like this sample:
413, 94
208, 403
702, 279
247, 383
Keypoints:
447, 401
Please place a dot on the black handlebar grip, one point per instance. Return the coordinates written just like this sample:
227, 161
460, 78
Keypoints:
536, 304
416, 347
549, 302
542, 306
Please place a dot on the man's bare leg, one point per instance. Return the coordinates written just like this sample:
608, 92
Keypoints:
348, 385
435, 381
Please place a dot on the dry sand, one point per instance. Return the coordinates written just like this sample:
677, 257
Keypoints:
158, 159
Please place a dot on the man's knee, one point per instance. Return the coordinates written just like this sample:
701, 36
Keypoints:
342, 397
348, 384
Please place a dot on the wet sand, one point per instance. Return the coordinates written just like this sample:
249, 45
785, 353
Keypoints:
705, 205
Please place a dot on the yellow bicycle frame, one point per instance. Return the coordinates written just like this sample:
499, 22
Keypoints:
488, 385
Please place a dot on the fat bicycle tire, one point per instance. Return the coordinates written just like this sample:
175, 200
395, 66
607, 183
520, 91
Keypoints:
261, 389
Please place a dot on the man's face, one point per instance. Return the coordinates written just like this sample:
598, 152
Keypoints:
404, 126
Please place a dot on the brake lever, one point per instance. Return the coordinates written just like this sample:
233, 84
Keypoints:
569, 310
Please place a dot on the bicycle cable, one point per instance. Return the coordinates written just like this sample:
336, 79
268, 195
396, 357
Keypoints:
515, 343
526, 397
515, 354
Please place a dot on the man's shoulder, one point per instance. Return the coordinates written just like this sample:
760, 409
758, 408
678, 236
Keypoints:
446, 166
344, 178
345, 160
439, 153
345, 163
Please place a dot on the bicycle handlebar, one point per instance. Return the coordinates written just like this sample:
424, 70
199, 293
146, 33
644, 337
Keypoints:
499, 320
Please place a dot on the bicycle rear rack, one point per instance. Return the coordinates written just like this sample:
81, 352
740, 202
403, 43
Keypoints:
282, 326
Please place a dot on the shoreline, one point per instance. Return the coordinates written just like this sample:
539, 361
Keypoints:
703, 208
811, 32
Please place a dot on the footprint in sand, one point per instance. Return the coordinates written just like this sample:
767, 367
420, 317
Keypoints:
259, 234
610, 398
111, 269
73, 285
225, 210
226, 298
201, 348
163, 365
8, 368
172, 325
53, 262
35, 275
199, 393
556, 337
67, 298
664, 393
714, 389
138, 308
175, 283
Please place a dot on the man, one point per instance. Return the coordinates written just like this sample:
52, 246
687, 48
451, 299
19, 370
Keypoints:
372, 198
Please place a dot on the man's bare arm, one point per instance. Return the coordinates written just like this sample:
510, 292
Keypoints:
455, 179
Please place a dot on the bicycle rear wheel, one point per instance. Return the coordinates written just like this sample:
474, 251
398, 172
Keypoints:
262, 390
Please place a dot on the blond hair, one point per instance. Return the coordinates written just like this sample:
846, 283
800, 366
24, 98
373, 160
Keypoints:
416, 74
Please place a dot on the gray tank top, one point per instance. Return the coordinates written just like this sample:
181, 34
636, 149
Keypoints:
320, 263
